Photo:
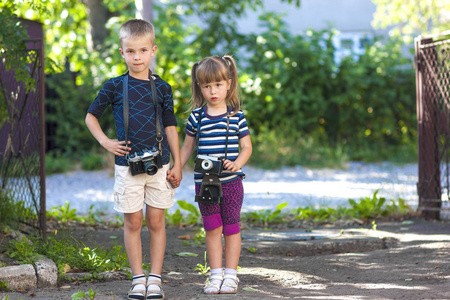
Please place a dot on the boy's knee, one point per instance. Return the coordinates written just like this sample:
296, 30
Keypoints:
133, 222
155, 223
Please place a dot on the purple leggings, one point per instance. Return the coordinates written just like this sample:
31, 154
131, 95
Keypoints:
227, 213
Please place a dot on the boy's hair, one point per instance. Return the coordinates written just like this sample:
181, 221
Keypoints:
136, 28
215, 69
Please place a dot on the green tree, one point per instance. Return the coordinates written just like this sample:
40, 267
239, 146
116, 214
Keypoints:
410, 18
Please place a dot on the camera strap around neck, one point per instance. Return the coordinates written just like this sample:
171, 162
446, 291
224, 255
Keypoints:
126, 110
198, 131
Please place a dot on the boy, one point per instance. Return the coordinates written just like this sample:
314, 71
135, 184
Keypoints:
137, 47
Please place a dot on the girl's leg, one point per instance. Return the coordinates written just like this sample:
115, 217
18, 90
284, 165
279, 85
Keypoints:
214, 247
132, 240
232, 250
233, 193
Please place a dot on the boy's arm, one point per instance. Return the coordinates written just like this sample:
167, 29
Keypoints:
174, 174
245, 144
113, 146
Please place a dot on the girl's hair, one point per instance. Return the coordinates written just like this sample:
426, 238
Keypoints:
136, 28
215, 69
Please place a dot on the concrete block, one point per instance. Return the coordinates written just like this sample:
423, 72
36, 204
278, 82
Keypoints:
19, 277
47, 273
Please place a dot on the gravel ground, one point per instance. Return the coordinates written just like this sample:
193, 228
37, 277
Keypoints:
264, 189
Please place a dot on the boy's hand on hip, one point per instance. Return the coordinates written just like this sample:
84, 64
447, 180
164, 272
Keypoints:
116, 147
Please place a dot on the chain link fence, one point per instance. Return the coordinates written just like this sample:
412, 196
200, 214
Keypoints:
433, 115
22, 134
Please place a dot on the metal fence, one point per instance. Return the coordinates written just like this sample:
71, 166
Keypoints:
433, 116
22, 136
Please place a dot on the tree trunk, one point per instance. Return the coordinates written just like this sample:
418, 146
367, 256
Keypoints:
98, 15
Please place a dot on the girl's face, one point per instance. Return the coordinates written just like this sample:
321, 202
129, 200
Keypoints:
215, 93
138, 54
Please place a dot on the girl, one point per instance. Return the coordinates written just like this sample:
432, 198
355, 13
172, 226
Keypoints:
215, 82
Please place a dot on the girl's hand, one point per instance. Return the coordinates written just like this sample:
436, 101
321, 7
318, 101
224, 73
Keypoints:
116, 147
230, 166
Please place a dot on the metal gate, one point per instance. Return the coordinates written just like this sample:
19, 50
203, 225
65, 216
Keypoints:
22, 136
433, 116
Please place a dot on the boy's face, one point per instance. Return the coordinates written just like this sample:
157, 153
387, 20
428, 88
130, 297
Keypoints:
138, 54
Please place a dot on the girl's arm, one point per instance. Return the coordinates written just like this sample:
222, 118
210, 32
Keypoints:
245, 144
187, 149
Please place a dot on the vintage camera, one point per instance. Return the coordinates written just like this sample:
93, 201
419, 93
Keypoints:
208, 164
145, 161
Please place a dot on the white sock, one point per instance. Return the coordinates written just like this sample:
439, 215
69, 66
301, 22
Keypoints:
153, 287
218, 271
233, 273
140, 279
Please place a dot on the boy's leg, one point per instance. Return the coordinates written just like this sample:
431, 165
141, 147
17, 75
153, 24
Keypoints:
132, 239
155, 220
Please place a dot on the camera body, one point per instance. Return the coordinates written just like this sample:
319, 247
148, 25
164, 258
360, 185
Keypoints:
145, 161
207, 164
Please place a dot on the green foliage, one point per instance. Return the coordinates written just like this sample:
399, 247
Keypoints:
23, 251
264, 216
90, 294
92, 162
368, 208
63, 213
194, 217
67, 252
57, 163
4, 287
203, 269
198, 239
409, 19
9, 211
294, 89
12, 45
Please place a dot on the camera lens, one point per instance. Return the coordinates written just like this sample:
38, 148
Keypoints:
207, 164
150, 167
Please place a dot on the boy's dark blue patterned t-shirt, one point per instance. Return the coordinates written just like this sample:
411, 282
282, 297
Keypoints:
141, 128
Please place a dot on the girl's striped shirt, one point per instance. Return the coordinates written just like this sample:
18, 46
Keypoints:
213, 136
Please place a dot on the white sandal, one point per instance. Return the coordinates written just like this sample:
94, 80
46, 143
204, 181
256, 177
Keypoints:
156, 293
232, 283
136, 294
214, 282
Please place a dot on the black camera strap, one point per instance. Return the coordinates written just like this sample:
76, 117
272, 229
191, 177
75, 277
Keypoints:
126, 109
198, 132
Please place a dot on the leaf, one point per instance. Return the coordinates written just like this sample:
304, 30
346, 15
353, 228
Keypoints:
249, 289
188, 206
78, 295
186, 254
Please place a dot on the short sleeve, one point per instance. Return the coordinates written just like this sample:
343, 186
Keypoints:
104, 98
168, 114
191, 124
243, 127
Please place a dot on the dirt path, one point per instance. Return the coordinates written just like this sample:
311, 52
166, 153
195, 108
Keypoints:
415, 265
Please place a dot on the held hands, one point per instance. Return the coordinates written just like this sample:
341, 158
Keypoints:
116, 147
230, 166
174, 176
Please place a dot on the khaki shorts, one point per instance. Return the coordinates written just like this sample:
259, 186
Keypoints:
131, 192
